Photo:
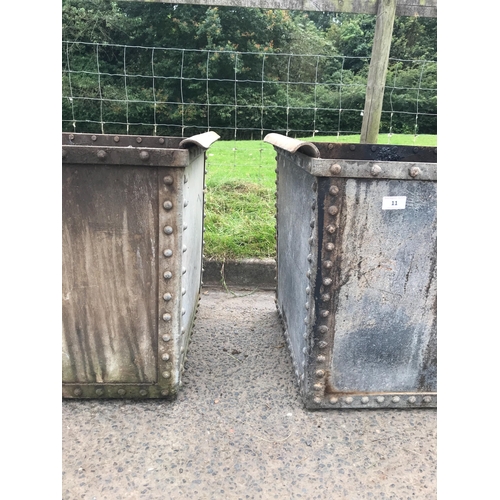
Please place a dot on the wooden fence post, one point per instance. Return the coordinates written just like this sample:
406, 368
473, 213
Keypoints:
378, 71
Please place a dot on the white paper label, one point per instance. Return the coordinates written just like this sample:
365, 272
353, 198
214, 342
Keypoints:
393, 202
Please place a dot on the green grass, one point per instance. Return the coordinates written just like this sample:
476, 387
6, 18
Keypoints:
240, 194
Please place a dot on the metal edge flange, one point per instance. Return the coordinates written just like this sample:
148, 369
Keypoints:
394, 400
170, 201
308, 382
328, 203
113, 391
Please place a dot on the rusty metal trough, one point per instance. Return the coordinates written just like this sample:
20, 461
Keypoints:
356, 271
132, 261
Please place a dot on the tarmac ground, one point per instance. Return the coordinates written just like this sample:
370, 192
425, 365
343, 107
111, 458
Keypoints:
239, 430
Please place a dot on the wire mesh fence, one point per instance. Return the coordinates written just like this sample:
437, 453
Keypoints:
111, 88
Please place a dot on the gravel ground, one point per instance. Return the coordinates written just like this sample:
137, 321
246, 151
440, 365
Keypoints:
238, 429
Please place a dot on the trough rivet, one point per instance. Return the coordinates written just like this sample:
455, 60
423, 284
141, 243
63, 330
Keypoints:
334, 400
317, 387
375, 170
352, 147
139, 140
317, 400
306, 321
333, 210
324, 313
121, 392
331, 229
330, 146
327, 281
116, 138
321, 358
167, 275
184, 248
395, 399
414, 171
380, 399
334, 190
164, 393
77, 392
184, 227
167, 296
320, 373
101, 154
348, 400
365, 400
412, 399
308, 290
168, 230
168, 179
144, 155
99, 392
161, 140
168, 252
167, 317
166, 338
330, 246
307, 306
167, 205
322, 344
186, 202
312, 223
165, 374
309, 258
310, 240
71, 137
308, 273
165, 356
374, 148
325, 297
327, 264
94, 138
335, 169
183, 291
427, 399
143, 392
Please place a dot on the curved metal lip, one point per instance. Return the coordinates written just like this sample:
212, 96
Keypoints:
202, 140
292, 145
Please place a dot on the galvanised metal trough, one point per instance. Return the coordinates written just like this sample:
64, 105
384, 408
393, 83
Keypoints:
132, 219
356, 271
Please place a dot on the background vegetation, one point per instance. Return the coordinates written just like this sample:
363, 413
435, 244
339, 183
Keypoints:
341, 81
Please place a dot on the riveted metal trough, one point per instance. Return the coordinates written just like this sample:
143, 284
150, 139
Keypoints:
356, 271
132, 261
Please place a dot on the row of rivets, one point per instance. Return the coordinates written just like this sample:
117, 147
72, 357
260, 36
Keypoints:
325, 297
168, 205
100, 392
379, 399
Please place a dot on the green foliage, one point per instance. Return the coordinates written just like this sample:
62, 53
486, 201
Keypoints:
104, 89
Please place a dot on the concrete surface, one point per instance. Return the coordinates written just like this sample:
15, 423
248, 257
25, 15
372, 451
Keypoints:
251, 273
238, 430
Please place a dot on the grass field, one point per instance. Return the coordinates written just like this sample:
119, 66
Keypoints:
240, 194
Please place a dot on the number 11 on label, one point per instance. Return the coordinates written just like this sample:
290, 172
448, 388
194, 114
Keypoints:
393, 202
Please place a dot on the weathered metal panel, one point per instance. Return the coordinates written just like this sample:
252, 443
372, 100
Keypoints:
356, 284
132, 253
